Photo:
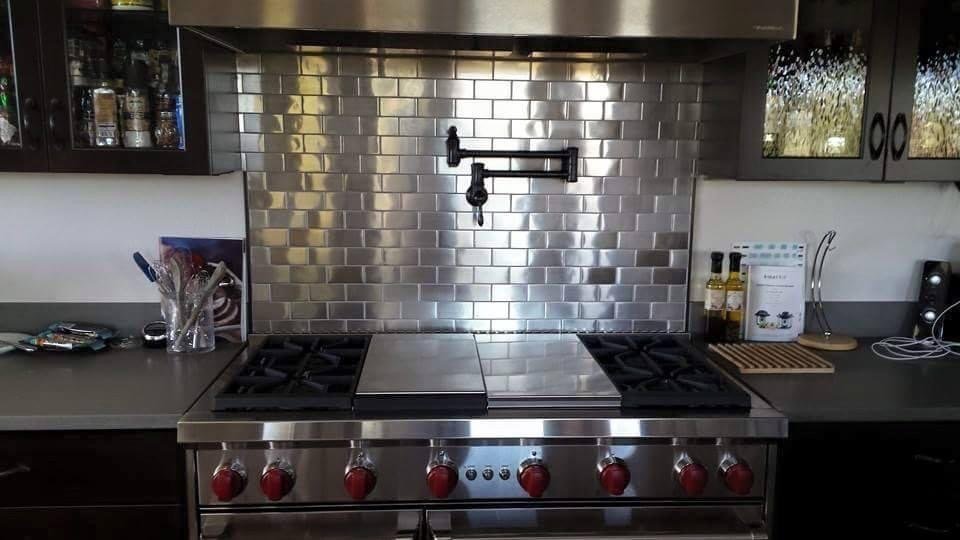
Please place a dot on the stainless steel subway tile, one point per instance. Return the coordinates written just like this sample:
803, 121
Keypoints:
325, 182
528, 239
270, 274
678, 293
358, 106
637, 204
318, 65
362, 182
264, 200
635, 276
325, 292
658, 149
288, 256
401, 326
674, 311
335, 125
472, 293
401, 292
343, 237
616, 293
671, 240
280, 63
600, 240
321, 144
435, 108
528, 203
437, 256
657, 186
250, 103
562, 240
603, 91
326, 105
616, 110
492, 128
306, 85
508, 293
418, 310
327, 256
517, 70
584, 110
382, 310
401, 256
262, 123
510, 222
549, 71
453, 274
456, 239
541, 186
529, 90
511, 109
418, 274
644, 92
379, 126
345, 310
364, 256
474, 257
618, 222
599, 275
653, 222
399, 67
398, 145
436, 68
345, 274
491, 239
474, 69
561, 310
289, 292
662, 72
676, 167
491, 275
418, 201
601, 129
326, 219
568, 91
545, 257
400, 220
651, 293
563, 275
499, 89
545, 293
364, 326
664, 112
397, 107
491, 310
588, 71
564, 203
520, 274
620, 149
528, 128
308, 310
248, 63
305, 237
581, 222
381, 201
596, 310
565, 129
383, 238
632, 310
419, 238
474, 108
455, 310
601, 203
626, 71
580, 257
257, 219
509, 257
527, 310
418, 88
546, 222
438, 221
378, 87
417, 127
437, 293
381, 274
679, 258
455, 89
673, 204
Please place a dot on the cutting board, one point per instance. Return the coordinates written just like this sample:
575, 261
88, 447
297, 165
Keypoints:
751, 358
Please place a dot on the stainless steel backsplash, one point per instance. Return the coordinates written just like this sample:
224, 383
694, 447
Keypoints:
358, 224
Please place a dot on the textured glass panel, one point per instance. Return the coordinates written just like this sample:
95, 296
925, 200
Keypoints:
935, 129
817, 84
9, 122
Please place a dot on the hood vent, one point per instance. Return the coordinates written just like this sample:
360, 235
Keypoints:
598, 25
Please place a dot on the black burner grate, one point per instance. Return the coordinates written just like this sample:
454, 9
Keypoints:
297, 373
662, 371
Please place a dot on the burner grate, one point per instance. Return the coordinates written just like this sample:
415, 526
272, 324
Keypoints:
297, 373
662, 371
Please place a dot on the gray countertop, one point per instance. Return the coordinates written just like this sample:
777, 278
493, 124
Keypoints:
130, 389
864, 388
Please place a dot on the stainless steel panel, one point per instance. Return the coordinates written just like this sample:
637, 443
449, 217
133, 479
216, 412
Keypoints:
328, 525
418, 364
542, 370
602, 523
401, 470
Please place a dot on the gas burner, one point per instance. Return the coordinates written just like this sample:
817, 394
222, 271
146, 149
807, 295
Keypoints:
662, 371
297, 373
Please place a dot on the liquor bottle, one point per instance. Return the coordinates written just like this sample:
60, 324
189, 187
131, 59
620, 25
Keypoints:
86, 123
106, 117
136, 107
715, 301
733, 312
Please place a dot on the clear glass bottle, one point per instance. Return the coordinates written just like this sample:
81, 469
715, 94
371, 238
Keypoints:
136, 108
105, 111
733, 311
715, 301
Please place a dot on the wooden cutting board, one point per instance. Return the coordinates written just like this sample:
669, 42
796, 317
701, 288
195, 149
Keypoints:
772, 358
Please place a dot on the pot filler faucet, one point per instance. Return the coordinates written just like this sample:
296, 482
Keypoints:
477, 192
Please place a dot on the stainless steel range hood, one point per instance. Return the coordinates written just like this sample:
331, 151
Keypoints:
534, 19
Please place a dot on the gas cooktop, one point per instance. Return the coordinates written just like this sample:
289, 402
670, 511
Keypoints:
662, 371
298, 373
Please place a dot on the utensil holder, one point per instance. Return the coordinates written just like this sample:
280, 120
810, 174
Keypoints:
189, 325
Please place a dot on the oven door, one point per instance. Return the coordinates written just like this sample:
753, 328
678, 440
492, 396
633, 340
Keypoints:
613, 523
329, 525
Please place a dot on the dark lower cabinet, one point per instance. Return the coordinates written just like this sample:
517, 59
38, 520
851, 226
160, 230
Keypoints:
869, 481
91, 484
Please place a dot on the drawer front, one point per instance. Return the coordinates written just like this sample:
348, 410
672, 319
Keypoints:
90, 468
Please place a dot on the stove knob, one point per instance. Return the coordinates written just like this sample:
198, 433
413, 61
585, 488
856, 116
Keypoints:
614, 476
359, 482
691, 476
441, 480
227, 482
736, 475
534, 478
276, 481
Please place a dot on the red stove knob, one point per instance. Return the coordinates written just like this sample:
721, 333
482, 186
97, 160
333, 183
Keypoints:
737, 476
276, 481
227, 483
614, 476
441, 480
359, 482
692, 476
534, 478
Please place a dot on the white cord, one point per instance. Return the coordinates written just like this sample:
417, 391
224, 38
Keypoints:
904, 348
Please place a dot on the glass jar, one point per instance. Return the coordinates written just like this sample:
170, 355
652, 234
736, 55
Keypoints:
166, 131
190, 325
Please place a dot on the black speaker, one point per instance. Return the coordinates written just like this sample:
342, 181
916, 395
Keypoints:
935, 293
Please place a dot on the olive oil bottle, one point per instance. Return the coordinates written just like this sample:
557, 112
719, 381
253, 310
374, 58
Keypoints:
733, 312
715, 301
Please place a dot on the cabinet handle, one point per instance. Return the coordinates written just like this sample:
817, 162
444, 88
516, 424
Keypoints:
900, 124
876, 150
52, 124
16, 469
31, 126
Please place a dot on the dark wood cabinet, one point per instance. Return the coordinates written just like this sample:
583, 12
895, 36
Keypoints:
91, 484
59, 53
867, 92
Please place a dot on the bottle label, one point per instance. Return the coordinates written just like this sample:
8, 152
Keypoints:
105, 111
136, 113
714, 300
734, 300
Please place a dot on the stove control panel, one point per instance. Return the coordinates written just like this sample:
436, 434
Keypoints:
716, 470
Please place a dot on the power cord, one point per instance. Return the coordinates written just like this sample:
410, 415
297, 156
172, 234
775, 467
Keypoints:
904, 348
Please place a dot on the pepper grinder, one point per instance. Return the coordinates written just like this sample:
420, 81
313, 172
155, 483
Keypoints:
826, 340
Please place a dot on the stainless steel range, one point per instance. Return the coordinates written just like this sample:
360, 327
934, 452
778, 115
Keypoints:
487, 436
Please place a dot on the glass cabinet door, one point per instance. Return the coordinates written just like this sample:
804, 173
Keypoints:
21, 134
925, 135
815, 107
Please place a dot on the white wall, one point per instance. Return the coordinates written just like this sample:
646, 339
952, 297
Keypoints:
884, 231
71, 237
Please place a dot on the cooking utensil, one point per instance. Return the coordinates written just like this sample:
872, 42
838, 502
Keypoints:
772, 358
12, 341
